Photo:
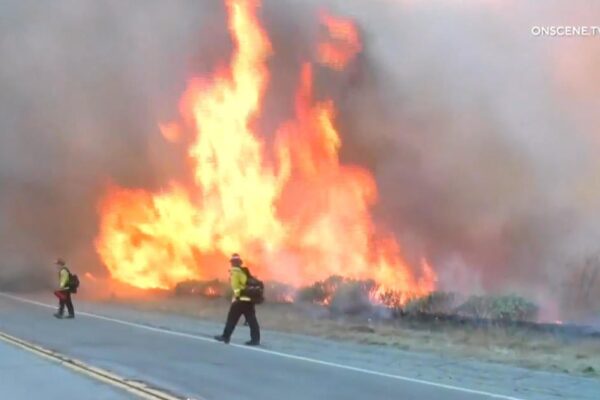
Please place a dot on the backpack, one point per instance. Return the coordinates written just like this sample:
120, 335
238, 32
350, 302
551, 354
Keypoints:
73, 282
255, 288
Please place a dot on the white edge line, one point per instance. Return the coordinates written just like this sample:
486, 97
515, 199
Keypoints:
140, 390
276, 353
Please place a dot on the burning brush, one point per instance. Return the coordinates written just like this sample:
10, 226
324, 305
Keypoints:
244, 191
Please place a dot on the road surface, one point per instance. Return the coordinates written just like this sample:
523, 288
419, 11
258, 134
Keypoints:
177, 355
24, 375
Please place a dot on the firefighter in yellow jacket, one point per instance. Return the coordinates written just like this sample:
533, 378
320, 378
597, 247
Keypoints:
64, 290
241, 305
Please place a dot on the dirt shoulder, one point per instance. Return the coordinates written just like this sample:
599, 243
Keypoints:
508, 345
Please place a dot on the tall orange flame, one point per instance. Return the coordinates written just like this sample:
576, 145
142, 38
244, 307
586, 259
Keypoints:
343, 43
291, 208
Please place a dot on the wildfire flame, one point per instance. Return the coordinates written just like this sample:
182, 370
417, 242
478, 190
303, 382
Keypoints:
170, 131
289, 207
211, 292
343, 43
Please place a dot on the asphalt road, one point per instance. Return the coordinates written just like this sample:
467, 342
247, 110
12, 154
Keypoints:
192, 365
25, 376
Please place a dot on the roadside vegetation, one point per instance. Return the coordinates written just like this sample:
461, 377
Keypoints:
498, 328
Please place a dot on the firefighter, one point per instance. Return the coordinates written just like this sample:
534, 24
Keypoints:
64, 290
241, 305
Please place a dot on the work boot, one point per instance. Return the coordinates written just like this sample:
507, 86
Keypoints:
58, 315
221, 338
252, 343
70, 316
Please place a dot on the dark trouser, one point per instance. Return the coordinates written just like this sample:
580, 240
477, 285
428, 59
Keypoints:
64, 299
237, 309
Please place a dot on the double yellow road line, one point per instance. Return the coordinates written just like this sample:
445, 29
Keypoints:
136, 388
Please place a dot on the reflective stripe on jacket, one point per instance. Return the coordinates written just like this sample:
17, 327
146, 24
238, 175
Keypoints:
238, 283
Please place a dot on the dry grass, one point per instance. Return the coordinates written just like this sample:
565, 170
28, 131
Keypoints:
499, 344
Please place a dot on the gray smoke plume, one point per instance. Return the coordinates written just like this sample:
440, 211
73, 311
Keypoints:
481, 135
83, 86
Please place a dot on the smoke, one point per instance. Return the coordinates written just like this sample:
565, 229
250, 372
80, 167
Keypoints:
482, 137
480, 134
83, 86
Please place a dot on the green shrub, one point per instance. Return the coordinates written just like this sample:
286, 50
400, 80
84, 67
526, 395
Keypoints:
314, 293
352, 297
433, 303
320, 291
510, 308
